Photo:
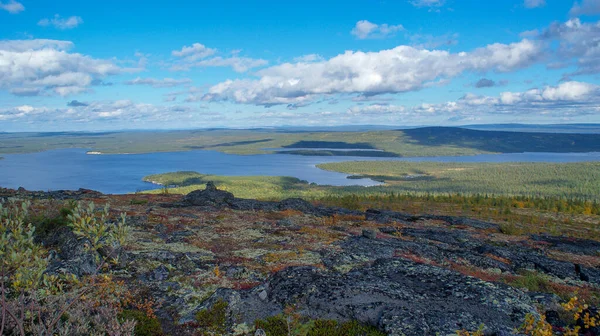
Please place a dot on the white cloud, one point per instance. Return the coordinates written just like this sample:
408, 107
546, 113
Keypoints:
159, 83
12, 6
47, 66
308, 58
20, 112
534, 3
61, 23
194, 52
401, 69
585, 7
578, 43
238, 64
31, 45
70, 90
107, 113
427, 3
566, 100
571, 91
26, 92
368, 30
197, 56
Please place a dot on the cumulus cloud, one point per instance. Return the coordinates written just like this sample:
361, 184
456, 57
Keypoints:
401, 69
578, 44
566, 101
48, 66
61, 23
159, 83
534, 3
368, 30
194, 52
26, 92
585, 7
569, 99
198, 55
79, 112
20, 112
12, 6
576, 92
27, 45
238, 64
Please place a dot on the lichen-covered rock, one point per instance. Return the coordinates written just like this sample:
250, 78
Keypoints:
398, 296
211, 196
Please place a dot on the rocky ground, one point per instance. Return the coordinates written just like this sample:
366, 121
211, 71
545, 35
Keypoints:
404, 274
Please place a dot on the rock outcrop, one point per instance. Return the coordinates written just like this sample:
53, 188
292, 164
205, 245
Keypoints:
399, 296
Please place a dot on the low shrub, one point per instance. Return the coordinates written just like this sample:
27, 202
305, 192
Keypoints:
145, 325
280, 326
214, 318
273, 325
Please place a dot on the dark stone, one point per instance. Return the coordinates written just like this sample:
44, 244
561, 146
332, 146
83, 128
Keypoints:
161, 273
389, 230
210, 196
296, 204
582, 275
73, 255
210, 186
161, 228
399, 297
370, 234
553, 318
570, 245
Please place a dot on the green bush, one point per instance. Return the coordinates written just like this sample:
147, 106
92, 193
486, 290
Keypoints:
278, 326
144, 326
136, 201
273, 325
350, 328
46, 223
214, 318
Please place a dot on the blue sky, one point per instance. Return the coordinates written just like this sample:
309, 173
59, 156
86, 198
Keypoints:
80, 65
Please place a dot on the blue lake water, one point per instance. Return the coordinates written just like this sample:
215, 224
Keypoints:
122, 173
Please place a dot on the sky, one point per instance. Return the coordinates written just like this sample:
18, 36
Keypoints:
71, 65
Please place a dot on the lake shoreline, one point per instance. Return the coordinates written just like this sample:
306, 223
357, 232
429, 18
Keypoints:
119, 174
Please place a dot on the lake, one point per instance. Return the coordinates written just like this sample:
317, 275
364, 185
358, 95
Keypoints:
123, 173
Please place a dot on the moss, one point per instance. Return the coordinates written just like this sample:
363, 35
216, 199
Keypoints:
278, 326
44, 225
135, 201
532, 281
214, 318
510, 229
350, 328
273, 325
145, 326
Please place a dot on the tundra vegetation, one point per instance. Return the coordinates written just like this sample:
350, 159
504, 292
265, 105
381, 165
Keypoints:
149, 265
428, 141
79, 263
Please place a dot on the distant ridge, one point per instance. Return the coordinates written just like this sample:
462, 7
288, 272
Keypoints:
551, 128
504, 141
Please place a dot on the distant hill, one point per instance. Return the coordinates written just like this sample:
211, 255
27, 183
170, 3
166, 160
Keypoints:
504, 141
551, 128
